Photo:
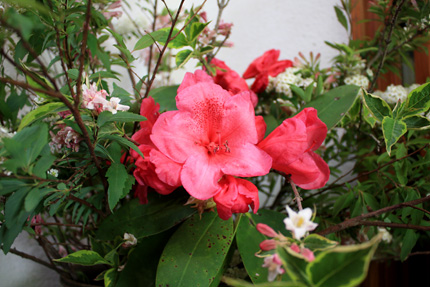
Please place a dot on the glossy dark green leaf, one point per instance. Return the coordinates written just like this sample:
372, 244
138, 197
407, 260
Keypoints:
196, 251
116, 177
392, 129
166, 97
159, 214
41, 112
249, 239
333, 105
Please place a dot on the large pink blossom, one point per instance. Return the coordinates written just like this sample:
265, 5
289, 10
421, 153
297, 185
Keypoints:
236, 196
212, 134
292, 146
263, 67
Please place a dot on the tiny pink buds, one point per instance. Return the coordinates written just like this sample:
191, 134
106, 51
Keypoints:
268, 244
295, 248
266, 230
308, 254
274, 265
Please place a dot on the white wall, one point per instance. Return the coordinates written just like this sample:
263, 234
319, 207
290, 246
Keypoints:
259, 25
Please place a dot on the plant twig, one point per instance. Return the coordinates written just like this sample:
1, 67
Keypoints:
32, 258
296, 194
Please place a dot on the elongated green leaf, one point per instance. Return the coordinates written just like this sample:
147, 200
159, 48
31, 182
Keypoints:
417, 122
84, 257
333, 105
116, 176
102, 75
43, 164
196, 29
122, 141
377, 106
341, 17
106, 117
161, 37
34, 197
110, 277
248, 241
317, 242
409, 241
183, 57
161, 213
343, 265
196, 251
41, 112
295, 265
392, 129
165, 96
35, 84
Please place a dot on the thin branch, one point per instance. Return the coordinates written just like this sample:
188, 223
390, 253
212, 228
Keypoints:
393, 225
86, 203
296, 194
32, 258
358, 220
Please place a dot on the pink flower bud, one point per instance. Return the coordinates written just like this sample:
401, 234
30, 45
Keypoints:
295, 248
308, 254
266, 230
268, 244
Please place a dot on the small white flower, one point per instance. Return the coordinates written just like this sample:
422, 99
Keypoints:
130, 240
53, 172
114, 106
386, 236
299, 223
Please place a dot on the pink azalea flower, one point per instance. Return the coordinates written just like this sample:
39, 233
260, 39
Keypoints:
292, 146
231, 80
92, 98
212, 134
235, 197
155, 169
263, 67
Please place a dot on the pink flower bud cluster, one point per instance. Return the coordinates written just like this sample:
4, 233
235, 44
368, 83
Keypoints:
209, 35
66, 137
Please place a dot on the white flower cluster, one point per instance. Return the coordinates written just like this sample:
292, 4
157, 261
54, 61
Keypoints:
282, 82
358, 80
394, 93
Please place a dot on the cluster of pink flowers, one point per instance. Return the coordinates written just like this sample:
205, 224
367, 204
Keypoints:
94, 99
66, 137
209, 35
214, 140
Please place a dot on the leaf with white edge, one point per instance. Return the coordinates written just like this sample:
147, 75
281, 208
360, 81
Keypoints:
344, 266
111, 277
377, 106
35, 84
294, 264
392, 129
182, 57
116, 176
317, 242
41, 112
123, 117
335, 104
418, 101
196, 251
417, 122
83, 257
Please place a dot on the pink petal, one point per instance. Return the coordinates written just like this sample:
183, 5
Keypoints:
244, 161
191, 79
319, 167
260, 124
315, 128
167, 170
258, 65
200, 176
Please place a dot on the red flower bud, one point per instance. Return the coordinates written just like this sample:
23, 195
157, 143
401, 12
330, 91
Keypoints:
266, 230
268, 244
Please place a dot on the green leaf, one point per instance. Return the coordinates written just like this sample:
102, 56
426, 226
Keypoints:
409, 241
141, 267
333, 105
34, 197
110, 277
164, 212
161, 37
392, 129
271, 124
83, 257
377, 106
32, 5
248, 240
342, 265
417, 122
73, 74
14, 207
300, 92
43, 164
36, 85
242, 283
195, 30
182, 57
41, 112
196, 251
106, 117
370, 200
341, 17
317, 242
102, 75
294, 263
122, 141
418, 101
165, 96
116, 176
